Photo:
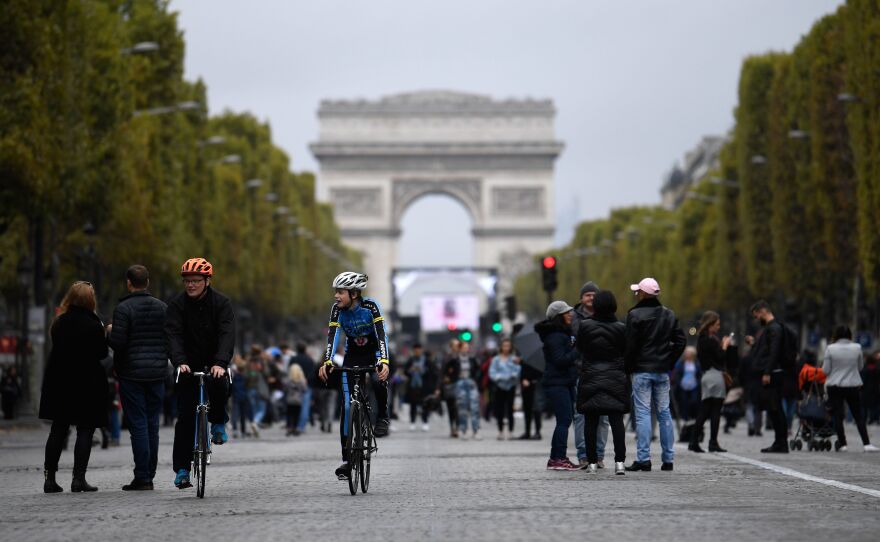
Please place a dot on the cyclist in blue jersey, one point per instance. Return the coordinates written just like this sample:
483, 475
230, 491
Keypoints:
365, 345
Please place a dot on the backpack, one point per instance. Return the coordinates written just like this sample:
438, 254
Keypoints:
790, 348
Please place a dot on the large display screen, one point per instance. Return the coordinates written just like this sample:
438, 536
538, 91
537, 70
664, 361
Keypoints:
444, 312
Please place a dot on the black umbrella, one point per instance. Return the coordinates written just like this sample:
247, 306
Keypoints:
530, 348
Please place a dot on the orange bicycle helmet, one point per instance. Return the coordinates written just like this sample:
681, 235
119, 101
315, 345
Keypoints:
197, 266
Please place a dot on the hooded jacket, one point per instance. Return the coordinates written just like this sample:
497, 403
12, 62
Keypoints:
604, 386
559, 353
654, 339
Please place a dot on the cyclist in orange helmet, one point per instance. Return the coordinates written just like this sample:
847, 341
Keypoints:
200, 327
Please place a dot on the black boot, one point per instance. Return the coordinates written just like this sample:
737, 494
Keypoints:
79, 484
694, 444
49, 483
714, 447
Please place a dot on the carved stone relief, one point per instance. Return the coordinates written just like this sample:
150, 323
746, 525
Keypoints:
518, 201
357, 201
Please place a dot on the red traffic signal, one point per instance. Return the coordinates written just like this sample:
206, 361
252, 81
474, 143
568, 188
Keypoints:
549, 262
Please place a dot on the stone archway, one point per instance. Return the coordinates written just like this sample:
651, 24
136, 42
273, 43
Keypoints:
495, 157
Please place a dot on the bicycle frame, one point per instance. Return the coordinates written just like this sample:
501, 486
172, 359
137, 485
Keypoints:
359, 396
202, 406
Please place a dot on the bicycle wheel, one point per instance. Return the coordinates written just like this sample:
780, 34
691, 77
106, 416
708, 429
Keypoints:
354, 446
366, 454
202, 455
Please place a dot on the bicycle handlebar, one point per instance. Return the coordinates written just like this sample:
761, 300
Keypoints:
228, 375
355, 370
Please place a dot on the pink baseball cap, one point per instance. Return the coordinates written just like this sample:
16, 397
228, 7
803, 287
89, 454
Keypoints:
647, 285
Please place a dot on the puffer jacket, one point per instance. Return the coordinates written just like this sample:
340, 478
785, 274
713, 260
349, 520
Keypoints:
654, 339
559, 354
138, 338
604, 386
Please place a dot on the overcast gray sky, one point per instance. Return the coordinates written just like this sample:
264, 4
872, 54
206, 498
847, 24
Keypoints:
636, 83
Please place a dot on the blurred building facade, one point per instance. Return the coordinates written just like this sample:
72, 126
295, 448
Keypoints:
697, 163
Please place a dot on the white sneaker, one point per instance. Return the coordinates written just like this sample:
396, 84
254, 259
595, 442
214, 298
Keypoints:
477, 436
412, 427
592, 468
462, 436
870, 448
425, 427
619, 468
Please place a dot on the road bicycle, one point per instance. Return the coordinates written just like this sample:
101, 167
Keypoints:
201, 441
361, 443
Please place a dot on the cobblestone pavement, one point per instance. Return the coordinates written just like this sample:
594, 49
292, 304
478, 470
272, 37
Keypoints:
426, 486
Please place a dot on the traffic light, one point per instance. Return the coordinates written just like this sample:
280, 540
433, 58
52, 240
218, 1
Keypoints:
510, 307
466, 336
548, 274
495, 319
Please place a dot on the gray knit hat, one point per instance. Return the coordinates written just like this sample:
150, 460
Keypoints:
556, 308
589, 286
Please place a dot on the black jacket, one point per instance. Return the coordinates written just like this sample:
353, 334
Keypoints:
767, 352
711, 355
452, 369
604, 386
75, 384
200, 333
138, 338
559, 354
654, 340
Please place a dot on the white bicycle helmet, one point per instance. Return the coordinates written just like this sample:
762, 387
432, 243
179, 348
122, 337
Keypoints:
350, 280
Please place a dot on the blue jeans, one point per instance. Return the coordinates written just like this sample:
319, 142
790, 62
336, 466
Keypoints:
142, 404
306, 410
115, 424
467, 401
258, 405
561, 401
652, 389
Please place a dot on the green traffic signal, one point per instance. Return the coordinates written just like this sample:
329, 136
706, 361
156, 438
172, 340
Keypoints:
466, 336
497, 327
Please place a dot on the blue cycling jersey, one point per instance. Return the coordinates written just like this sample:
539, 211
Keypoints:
364, 329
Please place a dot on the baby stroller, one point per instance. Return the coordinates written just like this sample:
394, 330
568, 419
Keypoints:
815, 427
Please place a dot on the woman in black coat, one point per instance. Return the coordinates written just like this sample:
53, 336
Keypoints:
604, 388
74, 384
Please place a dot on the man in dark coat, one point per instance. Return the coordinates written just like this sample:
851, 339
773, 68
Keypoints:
767, 367
654, 341
200, 328
140, 360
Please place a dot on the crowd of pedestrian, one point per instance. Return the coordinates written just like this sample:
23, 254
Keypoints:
595, 368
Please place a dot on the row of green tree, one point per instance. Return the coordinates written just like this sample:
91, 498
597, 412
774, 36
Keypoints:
108, 158
792, 213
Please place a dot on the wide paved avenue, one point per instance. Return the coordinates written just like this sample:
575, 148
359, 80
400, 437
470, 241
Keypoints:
426, 486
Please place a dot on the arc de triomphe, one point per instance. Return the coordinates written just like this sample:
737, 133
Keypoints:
495, 157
